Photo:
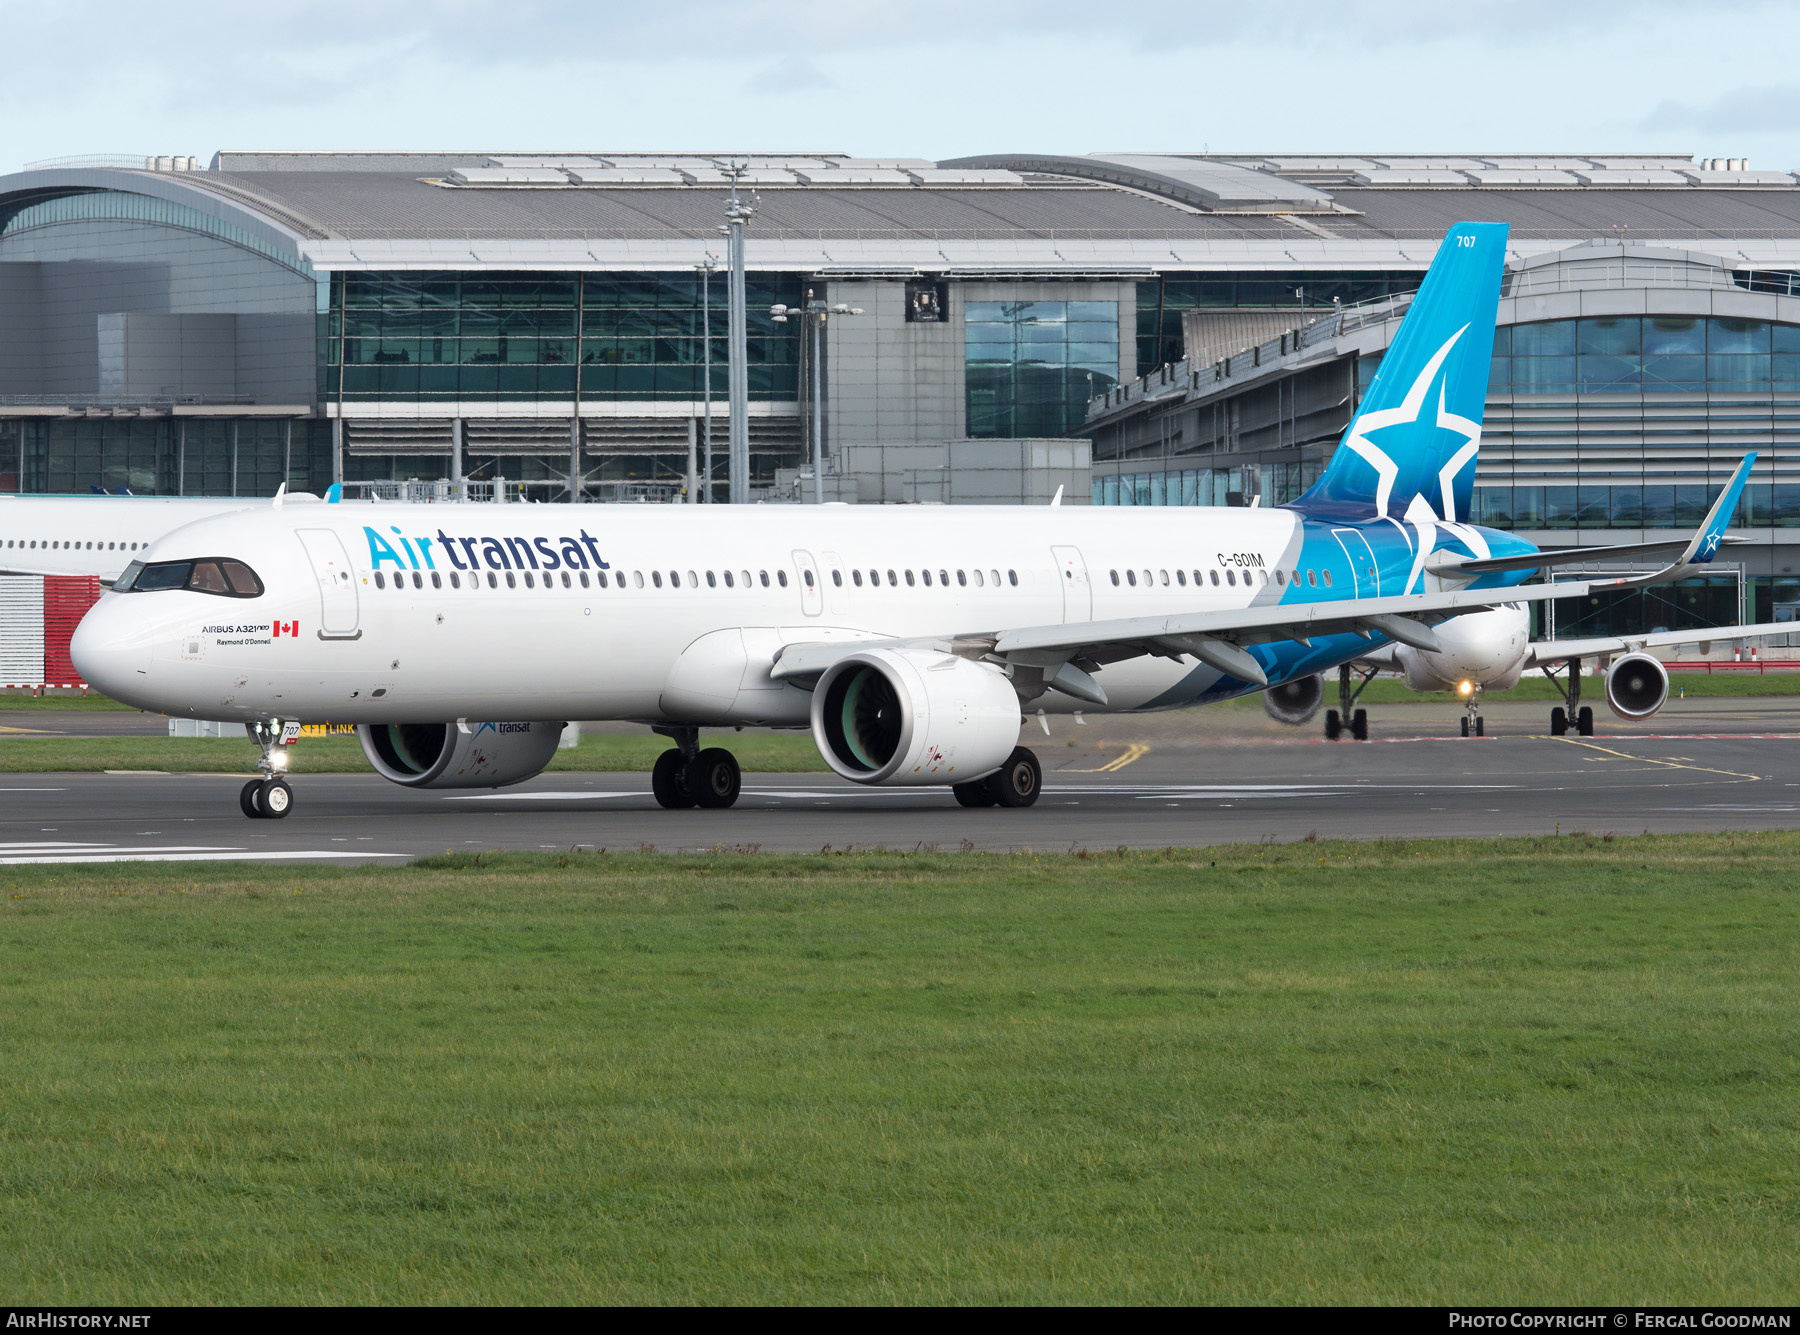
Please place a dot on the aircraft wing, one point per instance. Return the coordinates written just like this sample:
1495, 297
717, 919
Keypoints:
1560, 651
1070, 651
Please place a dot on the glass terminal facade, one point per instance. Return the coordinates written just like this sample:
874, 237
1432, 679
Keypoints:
1032, 366
539, 338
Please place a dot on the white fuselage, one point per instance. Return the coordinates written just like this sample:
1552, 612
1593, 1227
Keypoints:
513, 622
1487, 650
93, 535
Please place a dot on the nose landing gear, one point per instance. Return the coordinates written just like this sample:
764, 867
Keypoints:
269, 798
1473, 725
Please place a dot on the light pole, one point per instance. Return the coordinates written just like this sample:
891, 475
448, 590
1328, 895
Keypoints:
706, 272
815, 313
737, 217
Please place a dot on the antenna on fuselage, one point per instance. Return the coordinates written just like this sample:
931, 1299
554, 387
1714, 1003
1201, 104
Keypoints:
280, 492
1057, 499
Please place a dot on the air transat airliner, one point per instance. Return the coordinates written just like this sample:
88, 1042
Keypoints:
911, 640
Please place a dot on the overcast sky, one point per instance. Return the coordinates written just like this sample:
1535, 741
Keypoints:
915, 78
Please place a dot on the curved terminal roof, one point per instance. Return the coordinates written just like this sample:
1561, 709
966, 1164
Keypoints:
1114, 214
1206, 183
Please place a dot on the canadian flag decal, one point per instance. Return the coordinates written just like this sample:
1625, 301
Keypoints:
286, 628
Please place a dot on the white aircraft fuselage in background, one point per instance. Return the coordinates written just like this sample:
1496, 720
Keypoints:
94, 535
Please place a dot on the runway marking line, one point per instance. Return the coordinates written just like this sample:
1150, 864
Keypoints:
1133, 751
1651, 760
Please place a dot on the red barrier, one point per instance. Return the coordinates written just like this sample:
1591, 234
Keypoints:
66, 600
1756, 665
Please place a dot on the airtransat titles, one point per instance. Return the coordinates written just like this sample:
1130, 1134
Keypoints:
508, 553
910, 639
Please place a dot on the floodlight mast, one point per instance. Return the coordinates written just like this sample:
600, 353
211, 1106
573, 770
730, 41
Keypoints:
815, 313
706, 273
737, 217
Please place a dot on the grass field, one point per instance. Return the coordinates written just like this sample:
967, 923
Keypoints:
1549, 1071
11, 701
763, 752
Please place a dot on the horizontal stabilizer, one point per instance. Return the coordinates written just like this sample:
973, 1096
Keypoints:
1570, 556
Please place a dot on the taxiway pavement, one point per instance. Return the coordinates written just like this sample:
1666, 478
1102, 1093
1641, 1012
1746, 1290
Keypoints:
1204, 777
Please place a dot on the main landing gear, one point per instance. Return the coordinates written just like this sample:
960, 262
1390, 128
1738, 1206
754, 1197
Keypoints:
267, 798
1337, 719
1017, 783
1582, 716
685, 776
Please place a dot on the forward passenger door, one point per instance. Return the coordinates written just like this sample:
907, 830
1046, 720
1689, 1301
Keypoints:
338, 612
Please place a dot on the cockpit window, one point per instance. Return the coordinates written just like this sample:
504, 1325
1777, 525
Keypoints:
227, 579
208, 578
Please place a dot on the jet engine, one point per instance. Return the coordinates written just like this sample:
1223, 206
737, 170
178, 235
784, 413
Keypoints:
443, 755
1636, 686
1294, 702
907, 717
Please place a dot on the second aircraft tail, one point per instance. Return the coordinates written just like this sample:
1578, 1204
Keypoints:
1417, 431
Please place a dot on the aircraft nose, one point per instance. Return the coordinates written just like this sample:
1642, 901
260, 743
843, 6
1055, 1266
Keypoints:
111, 649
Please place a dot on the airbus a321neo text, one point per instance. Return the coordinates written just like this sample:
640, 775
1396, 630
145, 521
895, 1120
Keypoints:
910, 640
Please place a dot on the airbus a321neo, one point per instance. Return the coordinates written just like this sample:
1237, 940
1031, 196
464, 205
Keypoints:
910, 640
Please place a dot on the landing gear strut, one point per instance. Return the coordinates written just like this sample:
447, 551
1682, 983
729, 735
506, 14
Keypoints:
1582, 716
267, 798
685, 776
1473, 725
1358, 721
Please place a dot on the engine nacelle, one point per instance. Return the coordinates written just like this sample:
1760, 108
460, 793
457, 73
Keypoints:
441, 755
1294, 702
907, 717
1636, 686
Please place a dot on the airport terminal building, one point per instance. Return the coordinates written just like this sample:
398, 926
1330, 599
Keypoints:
1139, 329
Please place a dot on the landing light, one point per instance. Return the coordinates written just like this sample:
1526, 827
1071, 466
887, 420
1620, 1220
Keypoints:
1466, 687
278, 761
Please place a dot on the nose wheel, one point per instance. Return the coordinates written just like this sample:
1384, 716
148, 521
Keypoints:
1473, 725
269, 798
266, 799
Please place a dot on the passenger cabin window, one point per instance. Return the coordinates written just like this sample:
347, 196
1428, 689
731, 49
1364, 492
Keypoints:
1131, 578
781, 576
765, 578
1327, 579
1213, 575
1280, 578
909, 579
856, 578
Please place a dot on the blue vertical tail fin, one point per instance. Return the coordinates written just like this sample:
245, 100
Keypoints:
1417, 431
